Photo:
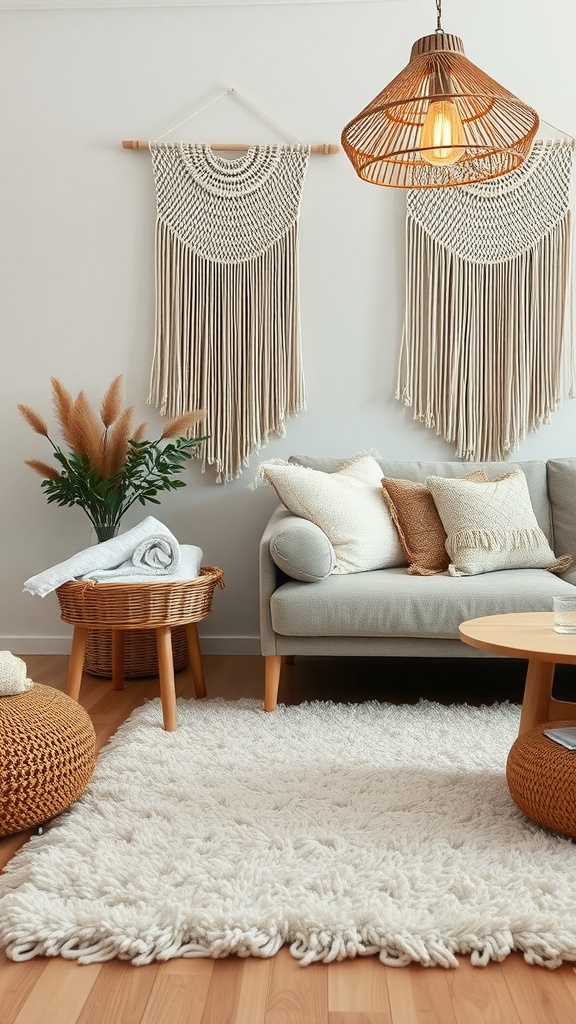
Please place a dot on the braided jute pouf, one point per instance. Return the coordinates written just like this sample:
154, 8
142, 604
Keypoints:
47, 756
541, 776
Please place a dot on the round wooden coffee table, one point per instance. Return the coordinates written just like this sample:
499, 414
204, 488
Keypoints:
528, 635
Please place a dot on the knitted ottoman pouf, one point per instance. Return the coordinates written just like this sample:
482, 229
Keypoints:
47, 756
541, 776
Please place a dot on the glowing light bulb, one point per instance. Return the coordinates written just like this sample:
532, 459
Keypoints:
443, 137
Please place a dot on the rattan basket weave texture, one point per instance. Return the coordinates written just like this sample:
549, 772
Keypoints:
140, 652
47, 756
138, 605
541, 776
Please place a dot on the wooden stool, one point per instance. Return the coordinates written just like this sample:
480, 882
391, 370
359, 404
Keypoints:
121, 607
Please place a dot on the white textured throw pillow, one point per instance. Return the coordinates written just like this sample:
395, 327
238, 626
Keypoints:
347, 505
490, 526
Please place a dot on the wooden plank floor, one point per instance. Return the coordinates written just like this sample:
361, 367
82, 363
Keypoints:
278, 990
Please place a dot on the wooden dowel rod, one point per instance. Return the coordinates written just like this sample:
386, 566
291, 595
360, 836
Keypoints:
324, 148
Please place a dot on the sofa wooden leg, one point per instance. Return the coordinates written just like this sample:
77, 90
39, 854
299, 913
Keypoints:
272, 666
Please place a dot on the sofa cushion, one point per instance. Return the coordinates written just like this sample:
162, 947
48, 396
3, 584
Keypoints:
420, 529
347, 505
491, 525
534, 470
302, 550
389, 603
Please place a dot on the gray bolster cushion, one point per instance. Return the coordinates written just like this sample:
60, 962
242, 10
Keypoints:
302, 550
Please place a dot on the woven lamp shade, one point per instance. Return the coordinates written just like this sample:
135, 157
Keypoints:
490, 130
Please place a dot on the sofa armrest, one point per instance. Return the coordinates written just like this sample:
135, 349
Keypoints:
290, 548
270, 577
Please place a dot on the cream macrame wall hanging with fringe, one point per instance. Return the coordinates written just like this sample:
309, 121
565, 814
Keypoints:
487, 351
227, 335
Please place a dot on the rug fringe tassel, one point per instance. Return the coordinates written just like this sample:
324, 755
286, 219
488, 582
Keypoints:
311, 947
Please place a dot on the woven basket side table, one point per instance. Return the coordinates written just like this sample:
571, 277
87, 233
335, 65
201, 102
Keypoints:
47, 756
541, 776
122, 607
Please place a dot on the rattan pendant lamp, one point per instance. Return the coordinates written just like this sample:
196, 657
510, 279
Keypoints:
442, 121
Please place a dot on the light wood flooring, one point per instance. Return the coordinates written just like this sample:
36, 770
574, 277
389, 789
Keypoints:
278, 990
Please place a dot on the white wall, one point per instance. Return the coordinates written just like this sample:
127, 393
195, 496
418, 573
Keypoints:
76, 241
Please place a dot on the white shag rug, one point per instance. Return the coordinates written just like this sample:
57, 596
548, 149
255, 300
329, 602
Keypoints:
342, 830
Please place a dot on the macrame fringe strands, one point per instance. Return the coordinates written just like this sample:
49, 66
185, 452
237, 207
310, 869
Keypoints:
487, 352
227, 335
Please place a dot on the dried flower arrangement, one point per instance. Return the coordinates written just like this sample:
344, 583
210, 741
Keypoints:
109, 466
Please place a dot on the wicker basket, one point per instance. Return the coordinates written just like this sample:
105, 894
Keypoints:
140, 652
139, 607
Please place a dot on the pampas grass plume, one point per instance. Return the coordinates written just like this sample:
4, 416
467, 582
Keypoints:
113, 401
34, 420
86, 432
178, 426
43, 469
117, 442
63, 407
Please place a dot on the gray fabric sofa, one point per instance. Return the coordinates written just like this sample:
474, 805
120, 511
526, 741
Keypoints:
390, 613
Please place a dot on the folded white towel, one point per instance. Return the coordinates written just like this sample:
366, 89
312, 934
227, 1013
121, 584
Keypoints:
13, 675
189, 564
107, 555
155, 557
158, 555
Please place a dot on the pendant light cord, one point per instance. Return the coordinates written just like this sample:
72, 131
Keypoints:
438, 15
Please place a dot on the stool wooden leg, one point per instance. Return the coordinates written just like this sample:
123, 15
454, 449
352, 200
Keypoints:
118, 645
166, 673
195, 655
537, 692
76, 662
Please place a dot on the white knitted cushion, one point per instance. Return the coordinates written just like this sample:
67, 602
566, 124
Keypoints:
347, 505
491, 525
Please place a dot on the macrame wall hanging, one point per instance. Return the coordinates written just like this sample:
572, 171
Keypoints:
487, 351
227, 334
227, 311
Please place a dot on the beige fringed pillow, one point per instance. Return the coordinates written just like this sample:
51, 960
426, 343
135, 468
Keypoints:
491, 526
420, 529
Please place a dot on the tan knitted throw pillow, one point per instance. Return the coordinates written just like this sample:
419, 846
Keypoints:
420, 529
491, 526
